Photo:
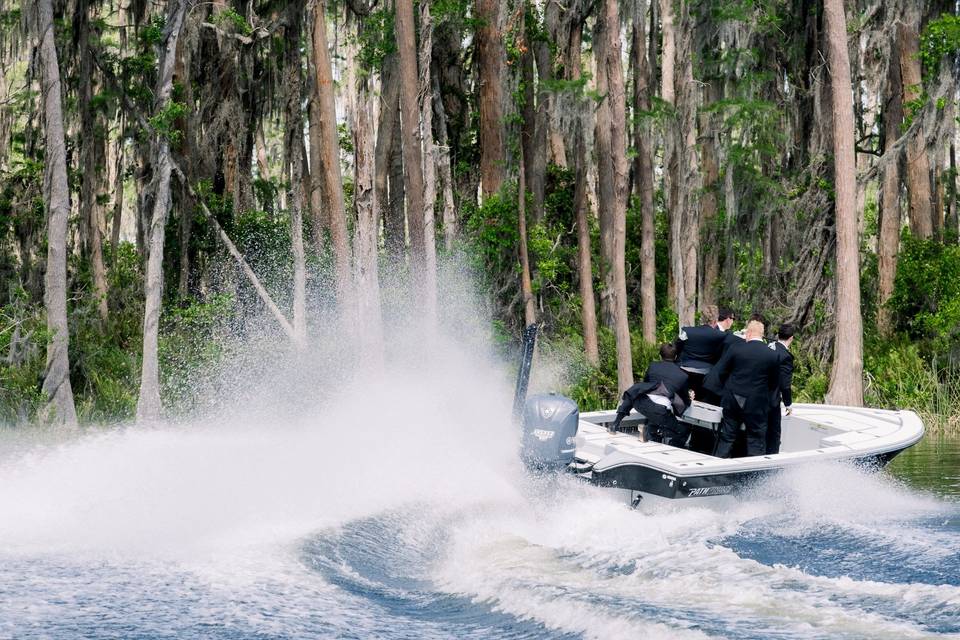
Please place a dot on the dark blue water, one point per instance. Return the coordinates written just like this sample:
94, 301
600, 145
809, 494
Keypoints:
243, 535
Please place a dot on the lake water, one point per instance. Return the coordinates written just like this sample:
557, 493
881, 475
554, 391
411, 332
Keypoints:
307, 531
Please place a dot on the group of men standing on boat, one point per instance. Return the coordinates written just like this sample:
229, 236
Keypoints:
745, 376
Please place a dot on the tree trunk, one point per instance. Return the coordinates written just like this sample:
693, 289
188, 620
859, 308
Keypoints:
293, 149
117, 199
383, 155
186, 230
581, 204
588, 313
148, 406
56, 380
325, 147
888, 242
90, 140
610, 140
395, 219
846, 381
186, 152
410, 142
918, 163
526, 288
490, 56
680, 174
952, 232
667, 85
643, 168
709, 144
446, 175
429, 164
367, 230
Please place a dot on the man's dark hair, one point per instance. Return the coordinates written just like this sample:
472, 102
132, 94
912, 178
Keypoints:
786, 331
726, 314
668, 352
759, 318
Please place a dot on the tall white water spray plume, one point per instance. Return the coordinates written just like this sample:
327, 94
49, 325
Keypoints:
285, 442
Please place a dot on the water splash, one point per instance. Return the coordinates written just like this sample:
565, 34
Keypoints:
317, 498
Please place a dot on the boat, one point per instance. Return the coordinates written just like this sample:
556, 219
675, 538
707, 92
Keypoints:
557, 436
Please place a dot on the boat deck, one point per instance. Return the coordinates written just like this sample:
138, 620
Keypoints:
810, 433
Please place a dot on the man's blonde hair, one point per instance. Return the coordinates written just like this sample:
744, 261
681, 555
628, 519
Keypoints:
754, 329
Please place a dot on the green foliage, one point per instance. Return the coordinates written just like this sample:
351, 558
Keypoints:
23, 338
229, 17
591, 387
152, 33
940, 38
105, 356
190, 347
926, 297
164, 123
345, 137
492, 234
899, 376
376, 39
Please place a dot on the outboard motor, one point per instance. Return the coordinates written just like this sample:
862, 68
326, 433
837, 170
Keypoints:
549, 428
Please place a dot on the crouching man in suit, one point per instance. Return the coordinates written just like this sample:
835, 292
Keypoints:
663, 395
746, 378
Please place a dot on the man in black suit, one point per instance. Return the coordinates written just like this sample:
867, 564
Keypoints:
784, 391
700, 348
746, 378
663, 395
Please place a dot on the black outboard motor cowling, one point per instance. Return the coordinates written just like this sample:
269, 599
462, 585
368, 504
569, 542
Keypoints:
549, 427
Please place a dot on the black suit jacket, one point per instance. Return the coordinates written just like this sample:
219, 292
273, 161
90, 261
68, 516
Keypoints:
673, 378
701, 348
729, 339
784, 390
670, 375
749, 369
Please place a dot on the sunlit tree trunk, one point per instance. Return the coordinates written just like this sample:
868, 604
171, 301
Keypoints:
846, 381
59, 408
148, 405
326, 144
610, 139
668, 62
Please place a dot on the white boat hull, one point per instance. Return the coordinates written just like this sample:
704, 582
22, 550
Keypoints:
812, 433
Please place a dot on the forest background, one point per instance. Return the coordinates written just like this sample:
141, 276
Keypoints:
176, 174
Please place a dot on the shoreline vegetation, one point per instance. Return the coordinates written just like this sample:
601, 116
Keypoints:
181, 179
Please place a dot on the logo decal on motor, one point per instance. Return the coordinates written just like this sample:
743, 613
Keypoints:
711, 491
542, 435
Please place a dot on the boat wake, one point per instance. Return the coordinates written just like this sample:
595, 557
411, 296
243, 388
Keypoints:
400, 510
